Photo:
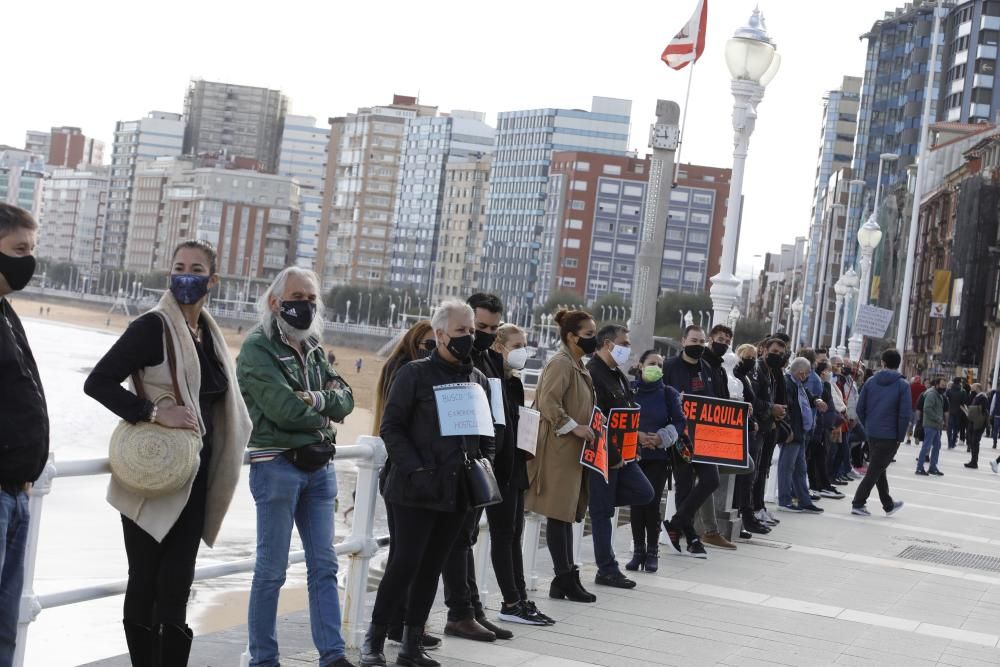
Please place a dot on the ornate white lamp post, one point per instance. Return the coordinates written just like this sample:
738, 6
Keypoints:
851, 282
796, 315
869, 236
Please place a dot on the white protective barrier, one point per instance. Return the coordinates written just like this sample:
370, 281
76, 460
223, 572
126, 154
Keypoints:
361, 545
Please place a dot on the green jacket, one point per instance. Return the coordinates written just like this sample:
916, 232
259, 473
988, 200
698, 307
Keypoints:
270, 372
933, 409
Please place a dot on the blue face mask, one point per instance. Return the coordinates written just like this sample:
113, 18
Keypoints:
188, 288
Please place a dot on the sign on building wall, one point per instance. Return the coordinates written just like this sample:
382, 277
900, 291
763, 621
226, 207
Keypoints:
939, 294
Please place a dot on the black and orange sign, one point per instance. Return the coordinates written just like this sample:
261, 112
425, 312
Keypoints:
718, 430
623, 432
594, 454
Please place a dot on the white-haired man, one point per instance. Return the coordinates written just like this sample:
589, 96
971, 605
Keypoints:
294, 396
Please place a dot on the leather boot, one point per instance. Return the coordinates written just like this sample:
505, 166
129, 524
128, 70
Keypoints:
638, 558
411, 653
579, 590
652, 563
563, 587
140, 643
172, 645
373, 650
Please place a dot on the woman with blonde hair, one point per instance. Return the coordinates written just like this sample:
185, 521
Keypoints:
416, 343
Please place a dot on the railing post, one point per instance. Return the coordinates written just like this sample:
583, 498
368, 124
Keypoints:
529, 549
354, 615
482, 556
577, 540
29, 608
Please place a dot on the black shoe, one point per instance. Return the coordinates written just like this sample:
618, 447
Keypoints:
838, 482
140, 643
652, 563
638, 558
972, 466
172, 645
921, 471
342, 661
495, 629
530, 606
583, 592
564, 587
812, 509
373, 649
519, 612
411, 653
429, 642
675, 538
615, 580
696, 549
745, 534
467, 628
935, 472
752, 525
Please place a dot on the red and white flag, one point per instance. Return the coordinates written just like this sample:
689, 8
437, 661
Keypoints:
688, 44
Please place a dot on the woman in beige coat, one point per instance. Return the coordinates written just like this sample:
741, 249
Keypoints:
558, 485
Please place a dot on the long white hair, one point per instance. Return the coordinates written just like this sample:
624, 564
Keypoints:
268, 318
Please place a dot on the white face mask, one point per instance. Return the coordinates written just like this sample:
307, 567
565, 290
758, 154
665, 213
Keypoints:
621, 354
517, 358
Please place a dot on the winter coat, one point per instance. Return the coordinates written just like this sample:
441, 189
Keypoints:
935, 405
660, 406
611, 390
565, 398
885, 406
24, 418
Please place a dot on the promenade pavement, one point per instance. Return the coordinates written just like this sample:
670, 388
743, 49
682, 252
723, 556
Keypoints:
919, 588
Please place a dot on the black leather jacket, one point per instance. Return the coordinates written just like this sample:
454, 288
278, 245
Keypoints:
24, 417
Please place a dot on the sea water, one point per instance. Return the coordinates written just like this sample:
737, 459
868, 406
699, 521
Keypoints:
80, 543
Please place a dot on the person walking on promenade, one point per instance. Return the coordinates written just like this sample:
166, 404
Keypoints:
917, 389
958, 397
24, 414
884, 409
934, 412
558, 484
792, 474
978, 416
294, 396
425, 484
162, 535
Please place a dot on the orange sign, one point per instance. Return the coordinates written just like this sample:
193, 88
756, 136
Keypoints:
718, 430
594, 454
623, 432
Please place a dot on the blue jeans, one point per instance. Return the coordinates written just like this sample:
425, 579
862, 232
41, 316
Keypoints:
13, 541
625, 486
285, 495
792, 475
932, 444
996, 430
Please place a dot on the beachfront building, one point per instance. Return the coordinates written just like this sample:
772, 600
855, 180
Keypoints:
303, 158
459, 248
22, 179
72, 221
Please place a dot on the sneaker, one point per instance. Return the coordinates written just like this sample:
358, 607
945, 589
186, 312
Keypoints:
860, 511
530, 606
995, 467
696, 550
746, 534
674, 539
789, 508
770, 517
831, 493
615, 580
814, 495
896, 506
518, 613
717, 540
839, 482
812, 509
935, 472
761, 516
921, 471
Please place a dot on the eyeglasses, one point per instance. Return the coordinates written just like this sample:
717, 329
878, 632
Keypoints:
429, 345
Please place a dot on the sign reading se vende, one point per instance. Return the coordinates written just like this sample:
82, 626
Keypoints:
718, 430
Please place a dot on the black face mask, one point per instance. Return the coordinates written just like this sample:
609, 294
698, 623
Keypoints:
17, 270
694, 351
588, 345
775, 360
483, 340
460, 347
745, 366
299, 314
720, 349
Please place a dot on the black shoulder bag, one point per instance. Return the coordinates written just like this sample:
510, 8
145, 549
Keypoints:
484, 490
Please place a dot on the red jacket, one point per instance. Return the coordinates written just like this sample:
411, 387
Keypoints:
916, 389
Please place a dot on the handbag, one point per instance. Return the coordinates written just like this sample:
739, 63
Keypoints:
150, 460
977, 417
484, 490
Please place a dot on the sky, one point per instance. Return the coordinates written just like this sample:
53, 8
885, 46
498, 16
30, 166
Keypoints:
92, 64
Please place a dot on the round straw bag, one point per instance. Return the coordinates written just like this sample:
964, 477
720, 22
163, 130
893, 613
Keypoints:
152, 460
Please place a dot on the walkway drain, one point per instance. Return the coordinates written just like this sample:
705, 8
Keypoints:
952, 557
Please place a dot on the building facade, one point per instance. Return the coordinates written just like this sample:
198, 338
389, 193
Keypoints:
38, 142
431, 144
303, 157
68, 147
22, 179
525, 141
456, 271
146, 247
968, 91
73, 213
159, 134
824, 263
359, 193
235, 121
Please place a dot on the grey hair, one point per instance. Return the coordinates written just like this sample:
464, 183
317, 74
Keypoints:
277, 288
836, 359
444, 312
798, 364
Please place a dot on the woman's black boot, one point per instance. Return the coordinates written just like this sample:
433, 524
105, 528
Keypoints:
373, 650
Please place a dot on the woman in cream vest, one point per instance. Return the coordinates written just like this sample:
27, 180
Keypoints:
162, 534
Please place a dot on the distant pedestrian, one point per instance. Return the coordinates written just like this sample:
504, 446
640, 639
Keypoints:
358, 364
884, 409
917, 389
978, 417
935, 407
958, 397
48, 311
41, 311
331, 357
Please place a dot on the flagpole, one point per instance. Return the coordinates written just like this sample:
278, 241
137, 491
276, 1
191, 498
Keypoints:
680, 144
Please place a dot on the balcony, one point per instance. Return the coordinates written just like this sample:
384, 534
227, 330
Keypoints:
957, 86
985, 51
989, 23
964, 29
982, 80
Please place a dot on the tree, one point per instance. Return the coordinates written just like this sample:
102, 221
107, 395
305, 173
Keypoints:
671, 305
750, 331
557, 299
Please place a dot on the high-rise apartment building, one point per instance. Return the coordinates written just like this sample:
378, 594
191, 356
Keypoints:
836, 139
22, 179
525, 141
359, 192
72, 221
146, 249
159, 134
459, 237
303, 157
431, 144
234, 121
69, 147
38, 142
968, 90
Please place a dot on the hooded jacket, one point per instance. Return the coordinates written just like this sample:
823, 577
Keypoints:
885, 406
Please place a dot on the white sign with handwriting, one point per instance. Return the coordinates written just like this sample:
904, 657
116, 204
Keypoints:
463, 409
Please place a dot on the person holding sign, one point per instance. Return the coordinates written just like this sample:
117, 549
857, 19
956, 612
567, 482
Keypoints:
436, 418
626, 484
558, 487
661, 421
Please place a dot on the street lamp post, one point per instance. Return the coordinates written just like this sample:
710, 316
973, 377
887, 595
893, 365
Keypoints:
392, 314
851, 284
347, 313
839, 290
796, 309
869, 236
753, 62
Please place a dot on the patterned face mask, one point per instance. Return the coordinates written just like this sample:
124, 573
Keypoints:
188, 288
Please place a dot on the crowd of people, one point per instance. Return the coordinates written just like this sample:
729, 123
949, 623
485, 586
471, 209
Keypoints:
832, 421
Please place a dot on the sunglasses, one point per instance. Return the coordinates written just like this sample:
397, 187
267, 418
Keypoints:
429, 345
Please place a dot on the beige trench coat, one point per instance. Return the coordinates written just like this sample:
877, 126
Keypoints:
558, 487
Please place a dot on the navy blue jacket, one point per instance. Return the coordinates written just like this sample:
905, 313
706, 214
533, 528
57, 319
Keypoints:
885, 406
660, 406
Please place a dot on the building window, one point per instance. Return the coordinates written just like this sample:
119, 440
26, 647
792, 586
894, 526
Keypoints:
675, 234
702, 199
605, 227
678, 214
582, 166
672, 274
569, 262
607, 207
673, 255
700, 238
633, 191
612, 170
602, 246
609, 188
679, 195
624, 268
574, 224
580, 186
626, 249
630, 209
695, 257
569, 282
571, 243
699, 218
578, 204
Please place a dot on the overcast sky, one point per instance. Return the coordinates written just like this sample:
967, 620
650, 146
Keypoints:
90, 64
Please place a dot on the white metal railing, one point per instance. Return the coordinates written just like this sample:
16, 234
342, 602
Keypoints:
360, 545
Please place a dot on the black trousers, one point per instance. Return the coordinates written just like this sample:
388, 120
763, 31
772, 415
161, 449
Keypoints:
745, 484
461, 593
816, 456
396, 621
691, 495
423, 540
506, 528
559, 538
768, 443
160, 574
646, 519
881, 453
975, 438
